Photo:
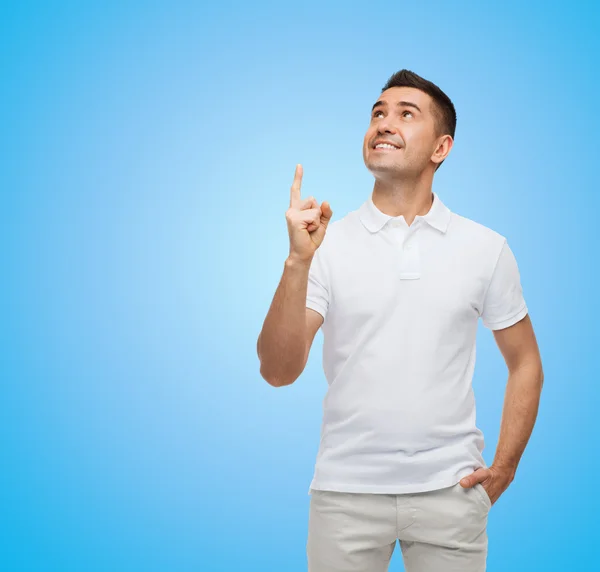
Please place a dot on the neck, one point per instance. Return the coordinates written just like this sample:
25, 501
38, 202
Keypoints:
408, 198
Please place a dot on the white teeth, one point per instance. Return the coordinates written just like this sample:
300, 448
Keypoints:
384, 146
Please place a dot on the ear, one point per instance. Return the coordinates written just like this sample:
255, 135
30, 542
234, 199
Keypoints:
442, 149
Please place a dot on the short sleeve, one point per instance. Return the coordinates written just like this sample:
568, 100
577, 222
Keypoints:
504, 304
317, 295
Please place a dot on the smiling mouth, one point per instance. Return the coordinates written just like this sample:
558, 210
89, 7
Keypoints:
386, 148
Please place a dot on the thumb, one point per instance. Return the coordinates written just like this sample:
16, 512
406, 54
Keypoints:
476, 477
326, 211
319, 233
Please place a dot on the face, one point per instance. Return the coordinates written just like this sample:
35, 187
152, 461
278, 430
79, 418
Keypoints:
403, 117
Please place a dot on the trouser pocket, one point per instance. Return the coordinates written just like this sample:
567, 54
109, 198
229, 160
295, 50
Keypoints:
485, 498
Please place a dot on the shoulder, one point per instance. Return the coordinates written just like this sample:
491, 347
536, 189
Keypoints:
474, 229
475, 235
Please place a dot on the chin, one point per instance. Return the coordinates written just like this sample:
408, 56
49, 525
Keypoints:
383, 167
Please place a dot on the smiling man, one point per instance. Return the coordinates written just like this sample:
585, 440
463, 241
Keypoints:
397, 287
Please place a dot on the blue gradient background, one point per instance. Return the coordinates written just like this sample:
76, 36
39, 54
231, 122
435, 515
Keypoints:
147, 150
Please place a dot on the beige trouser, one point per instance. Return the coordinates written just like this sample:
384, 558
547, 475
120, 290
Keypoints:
439, 531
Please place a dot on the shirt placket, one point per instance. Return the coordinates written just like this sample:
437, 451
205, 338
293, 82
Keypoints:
406, 238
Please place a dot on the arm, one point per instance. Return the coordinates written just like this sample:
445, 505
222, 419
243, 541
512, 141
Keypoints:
503, 302
289, 328
518, 345
519, 348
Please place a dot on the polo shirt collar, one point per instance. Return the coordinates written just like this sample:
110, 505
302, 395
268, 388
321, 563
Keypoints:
374, 220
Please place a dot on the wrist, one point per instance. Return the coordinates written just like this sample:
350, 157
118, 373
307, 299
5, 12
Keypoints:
506, 471
295, 261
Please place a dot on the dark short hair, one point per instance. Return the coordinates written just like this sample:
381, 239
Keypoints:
443, 109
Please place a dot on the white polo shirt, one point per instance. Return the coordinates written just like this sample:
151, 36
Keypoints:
400, 306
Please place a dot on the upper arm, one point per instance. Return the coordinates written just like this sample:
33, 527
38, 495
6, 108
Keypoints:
314, 320
506, 314
518, 344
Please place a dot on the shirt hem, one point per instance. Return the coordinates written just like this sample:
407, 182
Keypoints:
316, 307
501, 324
392, 489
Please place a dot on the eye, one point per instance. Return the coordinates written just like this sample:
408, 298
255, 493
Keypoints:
376, 113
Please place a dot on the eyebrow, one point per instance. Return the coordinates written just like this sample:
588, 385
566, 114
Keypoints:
400, 104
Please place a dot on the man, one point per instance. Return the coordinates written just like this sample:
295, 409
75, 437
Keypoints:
397, 287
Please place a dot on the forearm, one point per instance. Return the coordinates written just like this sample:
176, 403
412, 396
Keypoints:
281, 344
521, 404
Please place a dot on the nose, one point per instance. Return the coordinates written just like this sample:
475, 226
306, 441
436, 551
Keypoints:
386, 125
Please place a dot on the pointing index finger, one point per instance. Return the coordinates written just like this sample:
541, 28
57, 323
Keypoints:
295, 190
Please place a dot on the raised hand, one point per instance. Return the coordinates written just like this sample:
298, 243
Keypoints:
306, 221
